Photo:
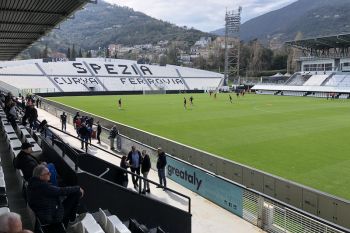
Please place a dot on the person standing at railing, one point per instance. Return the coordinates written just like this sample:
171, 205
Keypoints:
134, 159
145, 168
98, 133
32, 116
64, 121
161, 163
75, 118
84, 135
112, 135
124, 164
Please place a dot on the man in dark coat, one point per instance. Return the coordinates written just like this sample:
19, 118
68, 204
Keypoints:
64, 121
145, 168
134, 159
32, 116
45, 199
25, 161
84, 135
161, 163
98, 133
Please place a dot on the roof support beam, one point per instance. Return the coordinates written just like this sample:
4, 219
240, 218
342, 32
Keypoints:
32, 12
27, 24
23, 32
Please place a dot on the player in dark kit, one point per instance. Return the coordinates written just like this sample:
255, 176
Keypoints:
230, 98
120, 103
191, 100
185, 103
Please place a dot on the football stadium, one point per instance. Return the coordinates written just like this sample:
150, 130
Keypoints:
110, 145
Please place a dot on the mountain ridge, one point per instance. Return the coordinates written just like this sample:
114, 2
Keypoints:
311, 17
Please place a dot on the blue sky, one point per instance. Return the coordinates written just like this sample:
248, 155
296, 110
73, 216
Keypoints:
205, 15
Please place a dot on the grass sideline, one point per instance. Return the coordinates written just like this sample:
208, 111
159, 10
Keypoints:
305, 140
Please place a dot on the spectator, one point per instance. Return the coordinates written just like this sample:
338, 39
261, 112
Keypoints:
78, 123
99, 130
46, 200
25, 161
64, 121
84, 135
32, 116
10, 222
112, 135
145, 168
75, 118
161, 163
90, 132
12, 114
37, 102
23, 103
124, 164
42, 125
134, 159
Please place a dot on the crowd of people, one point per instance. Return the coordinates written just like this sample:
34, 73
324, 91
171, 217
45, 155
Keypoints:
51, 203
83, 126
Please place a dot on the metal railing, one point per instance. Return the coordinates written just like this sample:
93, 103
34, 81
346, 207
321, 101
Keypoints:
53, 136
259, 209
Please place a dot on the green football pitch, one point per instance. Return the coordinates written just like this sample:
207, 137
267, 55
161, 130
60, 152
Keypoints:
305, 140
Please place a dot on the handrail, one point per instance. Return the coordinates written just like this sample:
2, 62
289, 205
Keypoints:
125, 170
242, 186
246, 188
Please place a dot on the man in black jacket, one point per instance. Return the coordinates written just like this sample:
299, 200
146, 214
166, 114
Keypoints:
134, 159
32, 116
99, 130
84, 136
145, 168
161, 163
45, 199
25, 161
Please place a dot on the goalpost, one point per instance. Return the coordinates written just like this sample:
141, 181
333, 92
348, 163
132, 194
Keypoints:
154, 92
161, 90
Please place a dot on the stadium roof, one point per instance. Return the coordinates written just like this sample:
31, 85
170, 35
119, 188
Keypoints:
322, 43
22, 22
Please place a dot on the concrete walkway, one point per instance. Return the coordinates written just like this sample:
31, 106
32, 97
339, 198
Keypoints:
206, 216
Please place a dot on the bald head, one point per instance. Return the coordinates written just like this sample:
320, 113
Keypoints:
10, 223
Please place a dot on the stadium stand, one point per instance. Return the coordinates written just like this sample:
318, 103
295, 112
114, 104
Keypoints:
97, 75
315, 80
323, 70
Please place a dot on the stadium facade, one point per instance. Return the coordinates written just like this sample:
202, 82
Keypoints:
324, 69
102, 75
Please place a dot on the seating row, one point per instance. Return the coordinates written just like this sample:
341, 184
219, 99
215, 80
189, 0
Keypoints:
103, 222
3, 194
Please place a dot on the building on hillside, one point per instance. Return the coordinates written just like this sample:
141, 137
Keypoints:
203, 42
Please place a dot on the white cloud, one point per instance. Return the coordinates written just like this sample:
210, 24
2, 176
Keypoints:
205, 15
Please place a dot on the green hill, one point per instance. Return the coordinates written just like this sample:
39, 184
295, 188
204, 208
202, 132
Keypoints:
101, 24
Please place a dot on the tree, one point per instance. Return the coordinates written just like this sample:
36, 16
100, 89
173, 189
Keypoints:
68, 53
107, 53
80, 53
162, 60
293, 55
172, 55
74, 53
45, 52
89, 54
